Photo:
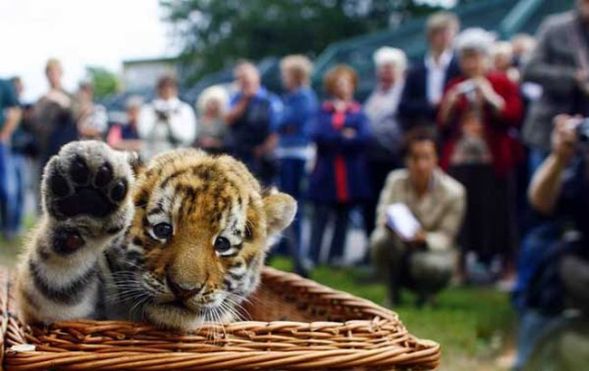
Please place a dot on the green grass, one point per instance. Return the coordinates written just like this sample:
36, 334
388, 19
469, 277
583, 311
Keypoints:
474, 325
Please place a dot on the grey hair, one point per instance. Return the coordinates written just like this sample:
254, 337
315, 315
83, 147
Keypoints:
388, 55
212, 93
475, 40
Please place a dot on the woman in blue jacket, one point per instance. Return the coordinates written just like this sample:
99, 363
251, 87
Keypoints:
339, 180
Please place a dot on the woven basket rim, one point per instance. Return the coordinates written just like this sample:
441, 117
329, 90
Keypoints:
377, 342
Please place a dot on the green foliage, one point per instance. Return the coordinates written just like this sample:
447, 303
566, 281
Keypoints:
215, 33
103, 81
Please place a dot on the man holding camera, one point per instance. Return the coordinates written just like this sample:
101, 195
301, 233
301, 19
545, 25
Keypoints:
560, 189
554, 261
252, 119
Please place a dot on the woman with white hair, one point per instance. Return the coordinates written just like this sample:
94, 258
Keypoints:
381, 109
211, 106
478, 111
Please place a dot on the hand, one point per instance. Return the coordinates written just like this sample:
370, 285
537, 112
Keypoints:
349, 133
419, 238
248, 92
340, 105
564, 138
452, 96
487, 93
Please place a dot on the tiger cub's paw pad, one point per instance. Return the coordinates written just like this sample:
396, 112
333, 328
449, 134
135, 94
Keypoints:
86, 178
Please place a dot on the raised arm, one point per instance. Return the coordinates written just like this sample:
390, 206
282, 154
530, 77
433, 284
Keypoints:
546, 184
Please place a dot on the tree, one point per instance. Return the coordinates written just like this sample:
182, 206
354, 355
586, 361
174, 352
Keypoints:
103, 81
215, 33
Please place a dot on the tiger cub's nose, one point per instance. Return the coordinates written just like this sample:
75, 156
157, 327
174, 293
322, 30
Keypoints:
182, 291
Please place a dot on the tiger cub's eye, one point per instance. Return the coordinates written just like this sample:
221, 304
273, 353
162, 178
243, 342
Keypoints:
162, 230
222, 244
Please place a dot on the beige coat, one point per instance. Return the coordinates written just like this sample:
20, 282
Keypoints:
440, 211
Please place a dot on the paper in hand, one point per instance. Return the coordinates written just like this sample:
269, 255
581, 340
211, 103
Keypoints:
401, 220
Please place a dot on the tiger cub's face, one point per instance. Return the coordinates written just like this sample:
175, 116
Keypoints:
198, 240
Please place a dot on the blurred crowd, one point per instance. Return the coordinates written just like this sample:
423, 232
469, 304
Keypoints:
455, 138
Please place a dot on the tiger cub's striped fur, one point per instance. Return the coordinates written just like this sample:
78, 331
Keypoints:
176, 244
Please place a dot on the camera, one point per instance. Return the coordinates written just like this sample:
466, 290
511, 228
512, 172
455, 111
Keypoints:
468, 89
162, 115
582, 130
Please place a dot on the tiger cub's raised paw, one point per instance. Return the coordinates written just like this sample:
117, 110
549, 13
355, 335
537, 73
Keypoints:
87, 185
86, 178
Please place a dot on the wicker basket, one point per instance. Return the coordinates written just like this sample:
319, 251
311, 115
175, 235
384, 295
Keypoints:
296, 324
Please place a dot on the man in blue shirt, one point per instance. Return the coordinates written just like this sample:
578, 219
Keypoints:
9, 118
253, 116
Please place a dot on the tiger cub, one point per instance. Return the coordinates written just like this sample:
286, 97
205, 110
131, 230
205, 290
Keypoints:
178, 243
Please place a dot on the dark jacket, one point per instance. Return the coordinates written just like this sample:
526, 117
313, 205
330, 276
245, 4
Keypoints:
340, 174
256, 124
415, 107
553, 65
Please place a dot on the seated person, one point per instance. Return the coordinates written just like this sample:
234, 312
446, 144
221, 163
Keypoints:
554, 262
425, 262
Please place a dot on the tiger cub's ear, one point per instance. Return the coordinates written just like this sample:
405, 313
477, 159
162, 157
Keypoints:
280, 211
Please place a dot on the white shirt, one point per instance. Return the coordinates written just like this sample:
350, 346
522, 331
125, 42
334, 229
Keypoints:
436, 76
382, 103
179, 130
381, 109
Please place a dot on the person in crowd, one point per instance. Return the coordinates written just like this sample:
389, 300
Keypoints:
125, 136
339, 180
212, 132
167, 122
54, 120
502, 56
426, 261
294, 145
24, 143
22, 146
553, 270
560, 65
477, 111
252, 117
381, 109
91, 118
10, 113
426, 80
522, 46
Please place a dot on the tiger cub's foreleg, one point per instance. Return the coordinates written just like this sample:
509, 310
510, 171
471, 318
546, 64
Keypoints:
86, 207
